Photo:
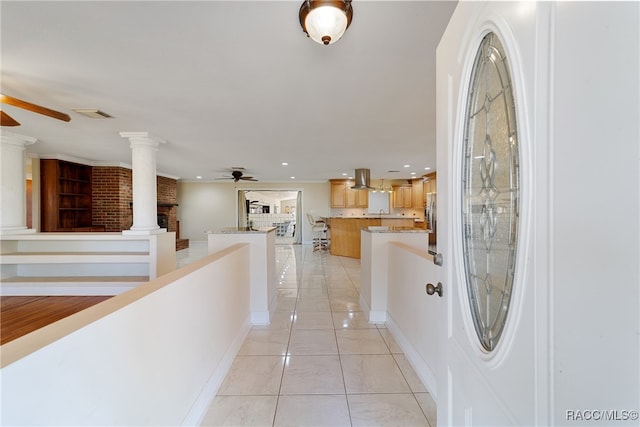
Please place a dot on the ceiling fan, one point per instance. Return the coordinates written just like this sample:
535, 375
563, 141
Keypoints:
7, 120
237, 175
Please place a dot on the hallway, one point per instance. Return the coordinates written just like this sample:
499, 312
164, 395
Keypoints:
320, 362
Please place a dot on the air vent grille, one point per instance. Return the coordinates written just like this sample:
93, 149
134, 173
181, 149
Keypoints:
93, 113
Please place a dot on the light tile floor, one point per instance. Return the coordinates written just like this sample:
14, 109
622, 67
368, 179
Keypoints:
319, 363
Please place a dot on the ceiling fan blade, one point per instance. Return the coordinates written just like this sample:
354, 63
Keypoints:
248, 178
35, 108
7, 120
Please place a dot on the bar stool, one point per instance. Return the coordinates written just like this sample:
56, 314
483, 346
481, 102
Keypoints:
319, 229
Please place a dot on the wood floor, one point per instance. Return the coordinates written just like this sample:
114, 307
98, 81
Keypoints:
21, 315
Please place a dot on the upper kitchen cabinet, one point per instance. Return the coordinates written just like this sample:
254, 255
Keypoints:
342, 196
412, 195
65, 196
429, 185
403, 196
417, 192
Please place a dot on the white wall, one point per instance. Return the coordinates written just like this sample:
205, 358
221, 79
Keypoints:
595, 187
377, 274
262, 271
210, 205
412, 314
151, 356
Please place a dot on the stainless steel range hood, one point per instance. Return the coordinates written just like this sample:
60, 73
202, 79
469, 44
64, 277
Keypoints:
362, 178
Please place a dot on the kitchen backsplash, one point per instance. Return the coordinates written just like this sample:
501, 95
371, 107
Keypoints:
408, 213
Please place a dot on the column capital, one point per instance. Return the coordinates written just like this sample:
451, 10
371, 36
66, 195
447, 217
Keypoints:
142, 138
16, 139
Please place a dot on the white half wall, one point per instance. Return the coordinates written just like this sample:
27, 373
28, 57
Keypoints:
262, 270
412, 314
376, 272
152, 356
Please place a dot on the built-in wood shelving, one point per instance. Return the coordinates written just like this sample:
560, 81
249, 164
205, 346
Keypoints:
65, 195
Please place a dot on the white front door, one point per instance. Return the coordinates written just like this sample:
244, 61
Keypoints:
504, 381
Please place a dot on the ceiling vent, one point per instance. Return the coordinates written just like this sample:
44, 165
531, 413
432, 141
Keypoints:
362, 178
92, 113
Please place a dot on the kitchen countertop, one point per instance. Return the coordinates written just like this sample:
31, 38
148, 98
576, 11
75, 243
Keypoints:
241, 230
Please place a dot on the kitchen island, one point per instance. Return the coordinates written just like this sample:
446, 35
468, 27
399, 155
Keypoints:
345, 231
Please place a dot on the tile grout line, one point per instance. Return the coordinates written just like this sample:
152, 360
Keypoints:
286, 352
344, 382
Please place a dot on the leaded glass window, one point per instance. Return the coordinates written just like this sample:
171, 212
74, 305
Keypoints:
490, 191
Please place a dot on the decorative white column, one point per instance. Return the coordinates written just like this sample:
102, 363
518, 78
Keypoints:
145, 198
13, 190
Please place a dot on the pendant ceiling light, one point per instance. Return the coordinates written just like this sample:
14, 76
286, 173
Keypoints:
325, 21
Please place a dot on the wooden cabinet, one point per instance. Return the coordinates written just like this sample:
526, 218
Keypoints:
429, 185
345, 235
65, 196
338, 196
417, 193
410, 195
342, 196
398, 222
356, 198
402, 197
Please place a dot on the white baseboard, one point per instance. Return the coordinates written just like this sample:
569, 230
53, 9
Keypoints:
374, 316
201, 405
260, 318
377, 316
424, 371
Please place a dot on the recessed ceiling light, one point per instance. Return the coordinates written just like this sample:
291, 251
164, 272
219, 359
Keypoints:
93, 113
413, 173
344, 174
427, 169
198, 177
285, 164
407, 166
293, 177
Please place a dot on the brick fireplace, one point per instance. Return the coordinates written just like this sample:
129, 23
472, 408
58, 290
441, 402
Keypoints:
112, 196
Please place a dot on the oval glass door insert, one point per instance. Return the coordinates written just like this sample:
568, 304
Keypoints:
490, 191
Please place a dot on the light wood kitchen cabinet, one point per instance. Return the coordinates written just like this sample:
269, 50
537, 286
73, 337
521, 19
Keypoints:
397, 222
338, 196
417, 194
402, 197
429, 185
342, 196
346, 232
357, 198
345, 235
